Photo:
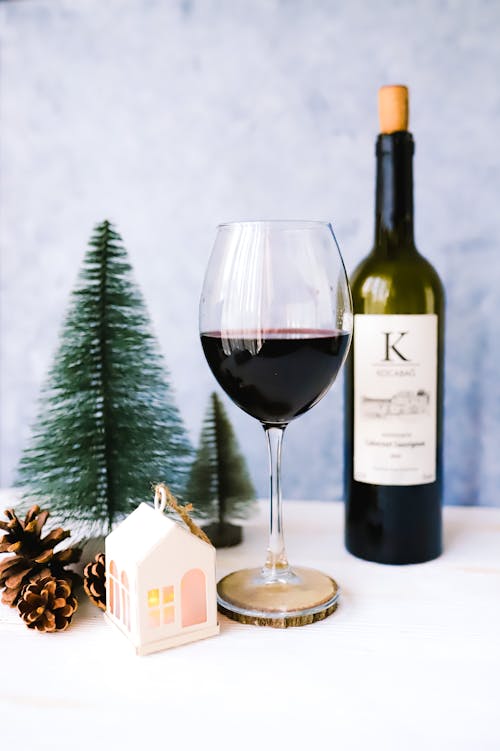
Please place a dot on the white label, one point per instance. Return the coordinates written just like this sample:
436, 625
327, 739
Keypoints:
395, 399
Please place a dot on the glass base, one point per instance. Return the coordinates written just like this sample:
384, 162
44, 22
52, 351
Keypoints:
270, 597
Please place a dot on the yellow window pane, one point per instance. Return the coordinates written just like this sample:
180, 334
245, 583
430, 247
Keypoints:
168, 595
153, 598
169, 614
154, 618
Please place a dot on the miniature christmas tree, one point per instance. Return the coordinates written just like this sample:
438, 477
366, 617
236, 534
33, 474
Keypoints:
108, 427
219, 484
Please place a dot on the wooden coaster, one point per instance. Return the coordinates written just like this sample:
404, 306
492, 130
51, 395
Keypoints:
294, 598
302, 620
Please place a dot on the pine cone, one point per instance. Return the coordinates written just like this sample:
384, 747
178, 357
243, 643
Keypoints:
33, 555
94, 580
47, 604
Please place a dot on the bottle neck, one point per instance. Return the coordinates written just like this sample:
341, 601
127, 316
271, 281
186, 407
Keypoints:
394, 194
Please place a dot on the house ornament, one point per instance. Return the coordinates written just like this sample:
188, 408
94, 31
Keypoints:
160, 578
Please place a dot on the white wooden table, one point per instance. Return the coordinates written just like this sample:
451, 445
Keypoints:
410, 660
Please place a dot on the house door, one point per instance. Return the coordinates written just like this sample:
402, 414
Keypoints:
194, 597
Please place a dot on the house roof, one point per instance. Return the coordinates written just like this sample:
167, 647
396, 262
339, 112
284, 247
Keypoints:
144, 529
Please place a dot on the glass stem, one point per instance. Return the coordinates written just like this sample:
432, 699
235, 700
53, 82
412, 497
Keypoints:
276, 562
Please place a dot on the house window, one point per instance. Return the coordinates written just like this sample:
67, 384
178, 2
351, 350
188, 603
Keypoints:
114, 590
161, 611
169, 615
167, 595
194, 597
125, 595
119, 595
154, 617
154, 598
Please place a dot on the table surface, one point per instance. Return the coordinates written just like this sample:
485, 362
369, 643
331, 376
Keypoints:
410, 660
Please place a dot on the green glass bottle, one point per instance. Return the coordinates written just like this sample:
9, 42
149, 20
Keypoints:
394, 374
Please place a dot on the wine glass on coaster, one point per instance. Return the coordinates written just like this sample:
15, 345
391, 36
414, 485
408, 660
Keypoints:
276, 324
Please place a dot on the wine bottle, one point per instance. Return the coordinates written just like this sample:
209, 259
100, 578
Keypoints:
394, 375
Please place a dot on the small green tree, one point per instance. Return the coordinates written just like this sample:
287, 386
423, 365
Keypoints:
108, 426
219, 484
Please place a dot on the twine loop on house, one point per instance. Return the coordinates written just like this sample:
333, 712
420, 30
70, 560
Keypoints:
164, 498
160, 498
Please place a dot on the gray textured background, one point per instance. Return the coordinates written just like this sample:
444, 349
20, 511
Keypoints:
169, 117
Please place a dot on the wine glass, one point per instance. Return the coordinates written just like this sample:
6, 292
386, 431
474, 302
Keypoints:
275, 325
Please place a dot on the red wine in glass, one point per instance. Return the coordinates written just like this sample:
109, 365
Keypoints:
277, 374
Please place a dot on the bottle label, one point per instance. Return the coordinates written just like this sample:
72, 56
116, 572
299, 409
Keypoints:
395, 398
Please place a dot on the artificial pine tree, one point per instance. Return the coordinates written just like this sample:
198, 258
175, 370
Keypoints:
219, 484
108, 427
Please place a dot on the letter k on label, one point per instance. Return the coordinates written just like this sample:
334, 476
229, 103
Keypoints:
391, 345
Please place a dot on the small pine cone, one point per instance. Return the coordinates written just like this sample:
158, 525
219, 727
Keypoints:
94, 580
15, 573
25, 537
33, 555
47, 604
